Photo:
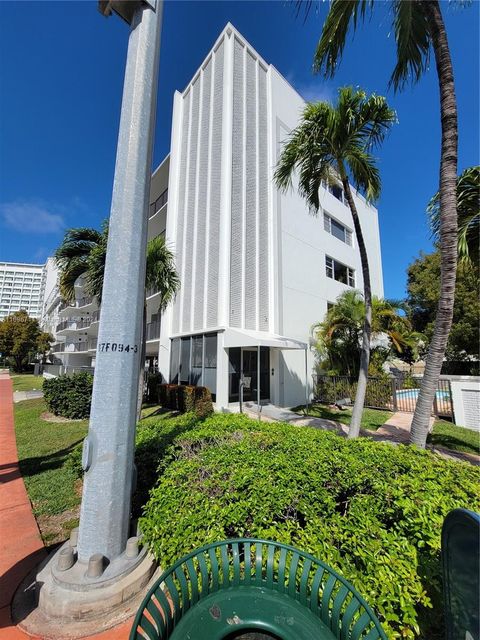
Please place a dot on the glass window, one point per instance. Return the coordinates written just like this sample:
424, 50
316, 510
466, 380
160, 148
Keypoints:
337, 229
339, 272
174, 360
184, 360
197, 360
210, 363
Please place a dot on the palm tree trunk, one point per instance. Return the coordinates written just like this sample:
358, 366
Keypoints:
448, 225
356, 420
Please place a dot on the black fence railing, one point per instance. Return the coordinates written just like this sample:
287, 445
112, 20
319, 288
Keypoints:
391, 393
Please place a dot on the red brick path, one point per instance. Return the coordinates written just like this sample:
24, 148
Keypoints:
21, 546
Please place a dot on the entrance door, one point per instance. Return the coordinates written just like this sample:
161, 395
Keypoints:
244, 361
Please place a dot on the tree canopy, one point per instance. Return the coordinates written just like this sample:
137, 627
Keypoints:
423, 286
339, 337
21, 339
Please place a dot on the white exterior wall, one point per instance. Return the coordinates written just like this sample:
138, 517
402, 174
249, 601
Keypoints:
302, 287
248, 257
466, 401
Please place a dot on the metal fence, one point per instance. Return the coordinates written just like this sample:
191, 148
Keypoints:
392, 393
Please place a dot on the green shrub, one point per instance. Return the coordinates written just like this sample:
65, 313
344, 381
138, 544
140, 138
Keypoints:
372, 511
186, 398
69, 396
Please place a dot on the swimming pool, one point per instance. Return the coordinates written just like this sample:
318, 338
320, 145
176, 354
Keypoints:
413, 394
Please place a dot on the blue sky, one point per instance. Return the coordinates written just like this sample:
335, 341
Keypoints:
61, 76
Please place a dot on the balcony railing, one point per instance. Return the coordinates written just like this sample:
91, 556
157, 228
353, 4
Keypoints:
92, 343
58, 348
82, 302
153, 330
76, 346
66, 324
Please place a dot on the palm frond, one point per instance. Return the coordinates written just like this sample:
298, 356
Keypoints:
468, 211
342, 15
161, 274
68, 277
413, 39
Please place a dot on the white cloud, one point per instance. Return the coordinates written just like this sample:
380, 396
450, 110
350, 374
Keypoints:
31, 217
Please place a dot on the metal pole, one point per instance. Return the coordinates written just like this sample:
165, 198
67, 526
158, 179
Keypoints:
109, 446
258, 381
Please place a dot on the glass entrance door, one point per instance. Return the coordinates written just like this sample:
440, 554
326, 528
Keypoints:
244, 361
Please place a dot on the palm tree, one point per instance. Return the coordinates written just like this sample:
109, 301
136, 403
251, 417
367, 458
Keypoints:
338, 337
331, 143
418, 25
83, 252
468, 210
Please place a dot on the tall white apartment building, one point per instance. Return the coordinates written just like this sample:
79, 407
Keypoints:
257, 269
21, 287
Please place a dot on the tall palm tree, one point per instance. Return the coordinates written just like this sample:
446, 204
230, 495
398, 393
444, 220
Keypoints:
418, 26
334, 143
468, 210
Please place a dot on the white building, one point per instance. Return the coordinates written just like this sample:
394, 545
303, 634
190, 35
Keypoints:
257, 269
21, 287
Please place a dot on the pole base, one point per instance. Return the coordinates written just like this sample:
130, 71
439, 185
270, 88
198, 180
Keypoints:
54, 602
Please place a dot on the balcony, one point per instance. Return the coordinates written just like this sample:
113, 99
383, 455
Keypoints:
73, 325
92, 344
74, 347
58, 348
83, 302
153, 330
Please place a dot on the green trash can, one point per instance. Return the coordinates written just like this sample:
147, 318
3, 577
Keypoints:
249, 589
461, 574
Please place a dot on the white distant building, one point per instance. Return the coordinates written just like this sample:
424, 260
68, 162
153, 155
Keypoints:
21, 287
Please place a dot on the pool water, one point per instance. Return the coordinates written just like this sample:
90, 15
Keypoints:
413, 393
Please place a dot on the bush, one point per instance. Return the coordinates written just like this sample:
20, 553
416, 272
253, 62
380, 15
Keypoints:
186, 398
372, 511
69, 396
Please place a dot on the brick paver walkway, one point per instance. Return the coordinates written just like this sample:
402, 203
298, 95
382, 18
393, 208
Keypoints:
21, 547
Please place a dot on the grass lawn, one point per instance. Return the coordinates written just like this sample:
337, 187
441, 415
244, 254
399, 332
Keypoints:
448, 435
52, 486
371, 419
26, 382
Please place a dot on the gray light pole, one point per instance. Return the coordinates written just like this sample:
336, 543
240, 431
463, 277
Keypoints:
102, 569
109, 447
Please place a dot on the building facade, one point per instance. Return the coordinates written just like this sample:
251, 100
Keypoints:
257, 270
21, 287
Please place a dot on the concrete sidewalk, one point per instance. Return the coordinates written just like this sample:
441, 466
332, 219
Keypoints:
21, 547
18, 396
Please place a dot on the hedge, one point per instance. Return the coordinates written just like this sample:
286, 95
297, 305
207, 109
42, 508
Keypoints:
371, 510
69, 396
186, 398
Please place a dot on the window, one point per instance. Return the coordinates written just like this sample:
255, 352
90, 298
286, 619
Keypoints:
340, 272
335, 189
337, 229
193, 360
